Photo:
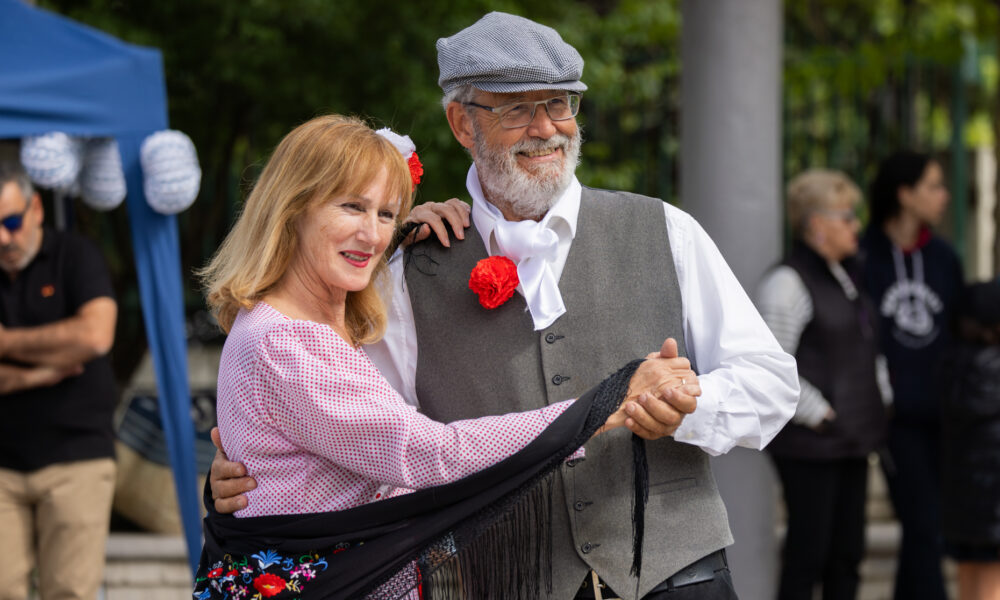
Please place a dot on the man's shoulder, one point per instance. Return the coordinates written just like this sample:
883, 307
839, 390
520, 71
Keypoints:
427, 256
618, 195
72, 245
675, 217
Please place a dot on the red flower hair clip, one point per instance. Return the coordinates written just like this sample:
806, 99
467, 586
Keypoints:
416, 168
406, 147
494, 280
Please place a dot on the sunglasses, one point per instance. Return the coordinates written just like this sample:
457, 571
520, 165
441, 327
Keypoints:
13, 222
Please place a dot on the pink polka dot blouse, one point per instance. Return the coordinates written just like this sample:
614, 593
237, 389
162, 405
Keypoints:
321, 430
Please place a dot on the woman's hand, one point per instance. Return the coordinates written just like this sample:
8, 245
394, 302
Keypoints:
432, 217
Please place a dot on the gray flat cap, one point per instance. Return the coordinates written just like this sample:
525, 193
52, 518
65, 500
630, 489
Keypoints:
505, 53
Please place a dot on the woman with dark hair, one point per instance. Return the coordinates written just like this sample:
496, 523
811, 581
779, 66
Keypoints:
915, 280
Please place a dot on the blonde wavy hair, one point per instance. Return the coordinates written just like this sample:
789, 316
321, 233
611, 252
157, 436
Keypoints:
323, 158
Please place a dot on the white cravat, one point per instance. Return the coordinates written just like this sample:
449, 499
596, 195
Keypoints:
533, 247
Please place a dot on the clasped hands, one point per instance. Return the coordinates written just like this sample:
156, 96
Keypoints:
662, 392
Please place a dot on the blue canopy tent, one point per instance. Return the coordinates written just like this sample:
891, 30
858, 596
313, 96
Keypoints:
58, 75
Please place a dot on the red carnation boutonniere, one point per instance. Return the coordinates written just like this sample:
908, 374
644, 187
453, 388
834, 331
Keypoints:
494, 280
416, 169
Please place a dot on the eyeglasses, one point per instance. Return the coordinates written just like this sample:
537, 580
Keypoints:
13, 222
520, 114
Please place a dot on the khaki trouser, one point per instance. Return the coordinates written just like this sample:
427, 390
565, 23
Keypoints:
58, 515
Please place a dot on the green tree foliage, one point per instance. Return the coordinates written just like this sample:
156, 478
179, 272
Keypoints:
863, 78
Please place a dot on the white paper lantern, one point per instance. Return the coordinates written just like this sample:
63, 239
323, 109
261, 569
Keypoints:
52, 160
171, 175
102, 181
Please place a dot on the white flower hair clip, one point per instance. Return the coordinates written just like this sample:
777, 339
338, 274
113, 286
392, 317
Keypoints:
408, 149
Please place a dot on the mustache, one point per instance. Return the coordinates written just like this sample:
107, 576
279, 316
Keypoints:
558, 140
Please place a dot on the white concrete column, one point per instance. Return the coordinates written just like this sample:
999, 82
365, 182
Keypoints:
731, 182
984, 227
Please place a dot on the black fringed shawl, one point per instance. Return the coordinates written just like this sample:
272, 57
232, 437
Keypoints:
484, 536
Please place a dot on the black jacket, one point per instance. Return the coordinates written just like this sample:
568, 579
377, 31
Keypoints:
836, 354
971, 443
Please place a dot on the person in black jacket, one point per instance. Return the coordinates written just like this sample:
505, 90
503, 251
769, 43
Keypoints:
971, 445
915, 279
814, 305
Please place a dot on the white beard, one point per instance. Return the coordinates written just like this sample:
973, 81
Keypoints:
528, 194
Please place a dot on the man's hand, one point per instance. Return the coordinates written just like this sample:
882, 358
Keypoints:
433, 215
45, 376
828, 419
15, 378
228, 480
666, 392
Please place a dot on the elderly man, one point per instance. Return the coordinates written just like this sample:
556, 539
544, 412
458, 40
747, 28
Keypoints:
57, 470
604, 277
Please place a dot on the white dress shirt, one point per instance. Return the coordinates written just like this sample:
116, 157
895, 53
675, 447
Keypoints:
749, 384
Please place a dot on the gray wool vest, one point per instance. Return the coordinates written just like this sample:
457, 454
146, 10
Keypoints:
622, 300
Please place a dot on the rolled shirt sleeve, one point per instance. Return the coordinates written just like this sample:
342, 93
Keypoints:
749, 384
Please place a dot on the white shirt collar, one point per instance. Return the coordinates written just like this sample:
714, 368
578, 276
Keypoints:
561, 218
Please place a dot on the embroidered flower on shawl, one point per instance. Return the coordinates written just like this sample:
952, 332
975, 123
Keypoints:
261, 575
269, 584
494, 280
304, 571
266, 558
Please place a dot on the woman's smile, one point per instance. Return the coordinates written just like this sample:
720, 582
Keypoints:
358, 259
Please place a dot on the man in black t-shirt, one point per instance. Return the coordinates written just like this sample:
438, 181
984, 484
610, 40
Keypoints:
57, 395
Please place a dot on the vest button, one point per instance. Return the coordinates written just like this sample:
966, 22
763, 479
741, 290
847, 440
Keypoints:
586, 548
578, 505
572, 462
550, 338
558, 379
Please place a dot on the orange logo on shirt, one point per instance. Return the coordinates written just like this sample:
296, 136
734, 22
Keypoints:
48, 291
